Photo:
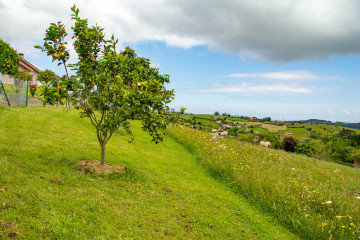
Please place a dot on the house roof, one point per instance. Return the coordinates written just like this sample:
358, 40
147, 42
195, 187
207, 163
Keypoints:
27, 65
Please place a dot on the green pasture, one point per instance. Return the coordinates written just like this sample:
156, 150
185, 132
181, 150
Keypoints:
166, 193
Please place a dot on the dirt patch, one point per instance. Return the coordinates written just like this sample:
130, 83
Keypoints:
6, 228
96, 167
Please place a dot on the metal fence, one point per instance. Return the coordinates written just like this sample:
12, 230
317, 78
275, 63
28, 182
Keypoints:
13, 92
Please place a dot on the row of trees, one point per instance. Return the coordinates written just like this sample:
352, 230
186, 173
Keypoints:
224, 114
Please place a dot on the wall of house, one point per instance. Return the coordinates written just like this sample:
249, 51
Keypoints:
22, 67
6, 79
32, 72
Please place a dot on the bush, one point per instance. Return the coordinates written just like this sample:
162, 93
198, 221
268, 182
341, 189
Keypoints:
305, 148
9, 59
25, 76
33, 88
273, 138
313, 135
340, 150
289, 144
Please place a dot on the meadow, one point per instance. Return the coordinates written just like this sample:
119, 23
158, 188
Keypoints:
314, 199
165, 192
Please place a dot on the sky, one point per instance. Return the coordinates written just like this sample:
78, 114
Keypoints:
288, 60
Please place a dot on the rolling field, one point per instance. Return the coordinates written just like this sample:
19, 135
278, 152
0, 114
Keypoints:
314, 199
166, 193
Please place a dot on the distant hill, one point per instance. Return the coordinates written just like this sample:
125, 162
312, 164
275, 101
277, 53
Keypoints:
318, 121
349, 125
341, 124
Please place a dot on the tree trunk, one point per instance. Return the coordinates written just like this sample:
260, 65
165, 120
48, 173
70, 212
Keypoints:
102, 153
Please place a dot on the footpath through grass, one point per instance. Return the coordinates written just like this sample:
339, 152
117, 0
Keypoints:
165, 193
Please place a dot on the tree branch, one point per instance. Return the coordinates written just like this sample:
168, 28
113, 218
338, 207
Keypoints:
111, 133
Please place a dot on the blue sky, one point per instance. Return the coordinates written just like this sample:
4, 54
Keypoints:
288, 60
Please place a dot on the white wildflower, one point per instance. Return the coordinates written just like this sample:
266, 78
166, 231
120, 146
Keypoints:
358, 197
329, 202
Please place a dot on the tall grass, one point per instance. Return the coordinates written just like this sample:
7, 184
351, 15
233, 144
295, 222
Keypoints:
314, 199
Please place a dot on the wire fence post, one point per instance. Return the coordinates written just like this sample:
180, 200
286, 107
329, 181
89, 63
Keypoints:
27, 92
3, 88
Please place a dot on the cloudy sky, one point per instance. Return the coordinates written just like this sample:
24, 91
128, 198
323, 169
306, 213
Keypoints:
283, 59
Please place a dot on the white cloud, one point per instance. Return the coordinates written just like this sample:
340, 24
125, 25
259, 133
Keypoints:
286, 75
273, 30
347, 112
258, 88
300, 75
332, 112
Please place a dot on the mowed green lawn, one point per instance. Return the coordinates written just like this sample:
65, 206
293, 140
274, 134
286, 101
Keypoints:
165, 193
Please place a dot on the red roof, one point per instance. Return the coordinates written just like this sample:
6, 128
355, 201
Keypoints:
27, 65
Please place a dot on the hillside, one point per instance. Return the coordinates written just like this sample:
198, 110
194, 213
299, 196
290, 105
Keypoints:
316, 199
165, 194
318, 139
300, 130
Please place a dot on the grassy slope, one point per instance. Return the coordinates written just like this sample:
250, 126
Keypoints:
315, 199
165, 194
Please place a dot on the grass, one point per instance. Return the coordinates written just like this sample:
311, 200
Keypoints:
314, 199
259, 129
203, 119
248, 124
207, 122
298, 133
273, 128
165, 194
238, 119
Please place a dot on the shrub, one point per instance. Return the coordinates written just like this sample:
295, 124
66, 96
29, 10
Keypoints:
33, 87
305, 148
25, 76
289, 144
340, 150
9, 60
273, 138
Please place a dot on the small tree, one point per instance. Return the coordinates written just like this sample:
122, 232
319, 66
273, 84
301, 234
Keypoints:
47, 76
9, 59
47, 90
289, 144
25, 76
110, 88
